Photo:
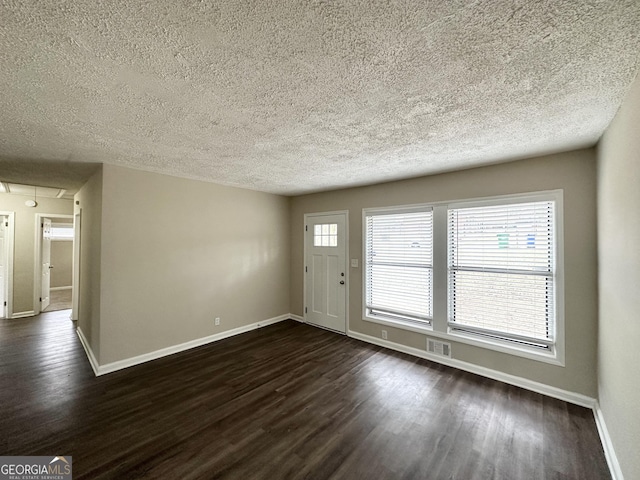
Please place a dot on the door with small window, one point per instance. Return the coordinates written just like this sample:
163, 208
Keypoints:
325, 271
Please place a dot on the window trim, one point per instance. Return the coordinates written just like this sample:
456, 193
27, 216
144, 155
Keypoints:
439, 326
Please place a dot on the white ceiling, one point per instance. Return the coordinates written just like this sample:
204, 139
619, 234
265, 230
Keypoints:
292, 97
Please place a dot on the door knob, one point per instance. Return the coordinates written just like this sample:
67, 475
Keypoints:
341, 282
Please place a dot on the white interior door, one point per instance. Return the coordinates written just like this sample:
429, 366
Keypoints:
46, 264
326, 270
3, 266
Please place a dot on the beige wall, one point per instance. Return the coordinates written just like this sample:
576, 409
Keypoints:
176, 253
619, 281
62, 262
574, 172
88, 201
24, 243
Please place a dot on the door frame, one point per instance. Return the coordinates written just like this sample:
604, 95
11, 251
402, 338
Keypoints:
346, 261
10, 254
75, 283
37, 268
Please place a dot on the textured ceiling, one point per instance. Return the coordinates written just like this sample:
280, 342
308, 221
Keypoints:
298, 96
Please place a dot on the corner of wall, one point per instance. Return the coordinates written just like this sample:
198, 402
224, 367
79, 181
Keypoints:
88, 202
618, 282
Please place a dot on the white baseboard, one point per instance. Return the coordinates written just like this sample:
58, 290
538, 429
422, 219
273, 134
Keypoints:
607, 445
60, 288
29, 313
88, 351
163, 352
567, 396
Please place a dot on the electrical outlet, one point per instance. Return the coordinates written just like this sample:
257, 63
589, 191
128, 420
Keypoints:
384, 334
217, 321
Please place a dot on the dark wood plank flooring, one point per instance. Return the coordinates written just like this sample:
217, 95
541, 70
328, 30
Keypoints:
287, 401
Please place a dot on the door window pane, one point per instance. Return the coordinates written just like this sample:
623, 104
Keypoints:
325, 235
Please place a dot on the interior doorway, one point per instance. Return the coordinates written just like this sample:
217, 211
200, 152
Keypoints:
75, 293
54, 262
6, 263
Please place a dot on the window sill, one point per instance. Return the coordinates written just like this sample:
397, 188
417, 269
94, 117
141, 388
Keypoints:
404, 325
552, 357
504, 346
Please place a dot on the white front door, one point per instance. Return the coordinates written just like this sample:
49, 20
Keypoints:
326, 271
3, 266
46, 263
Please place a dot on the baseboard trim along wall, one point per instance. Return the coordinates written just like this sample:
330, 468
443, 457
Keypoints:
560, 394
554, 392
607, 445
571, 397
60, 288
26, 314
147, 357
87, 349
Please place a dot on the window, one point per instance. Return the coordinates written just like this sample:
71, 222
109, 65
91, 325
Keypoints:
325, 235
501, 275
398, 265
62, 231
485, 272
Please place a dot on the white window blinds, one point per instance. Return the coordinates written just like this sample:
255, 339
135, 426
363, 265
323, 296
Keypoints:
62, 232
501, 271
399, 265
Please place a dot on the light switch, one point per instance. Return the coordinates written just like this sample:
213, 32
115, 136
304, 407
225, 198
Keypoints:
354, 263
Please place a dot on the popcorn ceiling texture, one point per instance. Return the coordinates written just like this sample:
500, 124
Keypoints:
298, 96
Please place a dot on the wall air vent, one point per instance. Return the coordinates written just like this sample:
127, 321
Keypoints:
439, 348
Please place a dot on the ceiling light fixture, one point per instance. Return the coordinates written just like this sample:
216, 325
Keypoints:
33, 203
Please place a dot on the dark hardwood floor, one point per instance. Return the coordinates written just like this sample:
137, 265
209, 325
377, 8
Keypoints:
285, 401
